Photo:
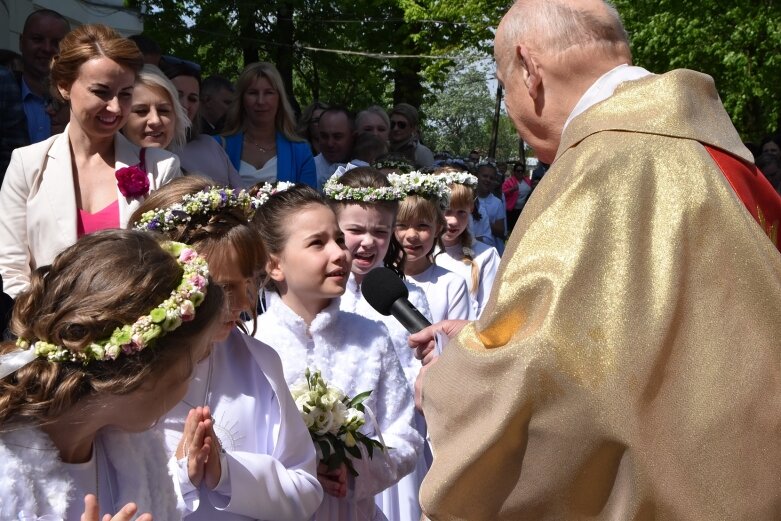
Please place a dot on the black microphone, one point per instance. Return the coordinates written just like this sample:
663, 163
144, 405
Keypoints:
386, 293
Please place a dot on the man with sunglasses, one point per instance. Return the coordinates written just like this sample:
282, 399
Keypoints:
404, 136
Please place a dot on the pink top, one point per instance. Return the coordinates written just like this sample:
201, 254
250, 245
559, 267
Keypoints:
108, 217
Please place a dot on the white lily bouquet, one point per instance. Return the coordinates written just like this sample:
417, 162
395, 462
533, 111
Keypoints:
333, 420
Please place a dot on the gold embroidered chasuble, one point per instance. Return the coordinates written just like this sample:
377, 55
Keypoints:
628, 364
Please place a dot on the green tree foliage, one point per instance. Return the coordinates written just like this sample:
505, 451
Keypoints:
299, 35
738, 43
456, 118
459, 118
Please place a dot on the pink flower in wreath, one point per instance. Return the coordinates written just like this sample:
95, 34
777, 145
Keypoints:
132, 181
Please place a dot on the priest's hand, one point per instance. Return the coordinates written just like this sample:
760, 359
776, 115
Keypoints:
424, 341
92, 511
419, 384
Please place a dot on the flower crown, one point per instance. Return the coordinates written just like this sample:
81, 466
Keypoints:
398, 165
204, 202
130, 339
428, 186
338, 192
260, 194
460, 178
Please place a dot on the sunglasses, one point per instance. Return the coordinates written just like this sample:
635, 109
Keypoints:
400, 124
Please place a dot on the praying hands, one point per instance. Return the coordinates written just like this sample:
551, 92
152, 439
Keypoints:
201, 448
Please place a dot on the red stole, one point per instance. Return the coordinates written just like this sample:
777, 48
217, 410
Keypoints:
753, 188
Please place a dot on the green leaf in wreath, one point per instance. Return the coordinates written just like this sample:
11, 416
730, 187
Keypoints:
158, 315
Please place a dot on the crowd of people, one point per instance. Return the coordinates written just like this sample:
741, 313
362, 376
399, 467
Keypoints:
180, 252
288, 228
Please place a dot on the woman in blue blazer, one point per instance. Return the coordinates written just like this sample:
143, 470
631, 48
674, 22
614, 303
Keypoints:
260, 137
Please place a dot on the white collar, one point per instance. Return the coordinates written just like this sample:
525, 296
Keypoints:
604, 87
294, 322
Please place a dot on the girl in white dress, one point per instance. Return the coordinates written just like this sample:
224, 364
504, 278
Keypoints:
95, 367
475, 261
419, 224
308, 269
261, 463
366, 204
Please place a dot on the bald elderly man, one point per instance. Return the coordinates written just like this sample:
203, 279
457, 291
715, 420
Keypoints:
628, 363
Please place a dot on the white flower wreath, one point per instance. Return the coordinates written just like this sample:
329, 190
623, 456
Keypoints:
428, 186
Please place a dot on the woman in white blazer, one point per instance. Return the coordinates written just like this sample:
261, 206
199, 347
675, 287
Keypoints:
88, 177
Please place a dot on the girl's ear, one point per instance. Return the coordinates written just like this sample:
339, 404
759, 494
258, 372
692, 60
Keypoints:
274, 269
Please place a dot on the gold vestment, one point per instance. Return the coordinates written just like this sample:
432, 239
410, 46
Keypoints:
628, 364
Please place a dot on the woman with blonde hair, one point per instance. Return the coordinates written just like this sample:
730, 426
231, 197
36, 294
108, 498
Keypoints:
260, 136
88, 178
373, 120
156, 118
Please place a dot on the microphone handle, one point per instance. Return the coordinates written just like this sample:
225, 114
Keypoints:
408, 315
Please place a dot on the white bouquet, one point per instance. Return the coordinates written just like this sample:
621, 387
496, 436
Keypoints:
333, 420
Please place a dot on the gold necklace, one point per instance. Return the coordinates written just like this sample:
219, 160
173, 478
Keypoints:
261, 148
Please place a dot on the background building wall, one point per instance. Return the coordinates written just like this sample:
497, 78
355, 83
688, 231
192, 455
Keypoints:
108, 12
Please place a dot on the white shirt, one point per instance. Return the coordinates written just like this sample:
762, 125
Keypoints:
356, 355
324, 170
446, 292
89, 479
268, 468
524, 189
481, 229
266, 174
353, 301
35, 483
604, 87
399, 502
487, 260
491, 210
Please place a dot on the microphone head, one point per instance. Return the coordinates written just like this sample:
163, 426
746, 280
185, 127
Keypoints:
381, 287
